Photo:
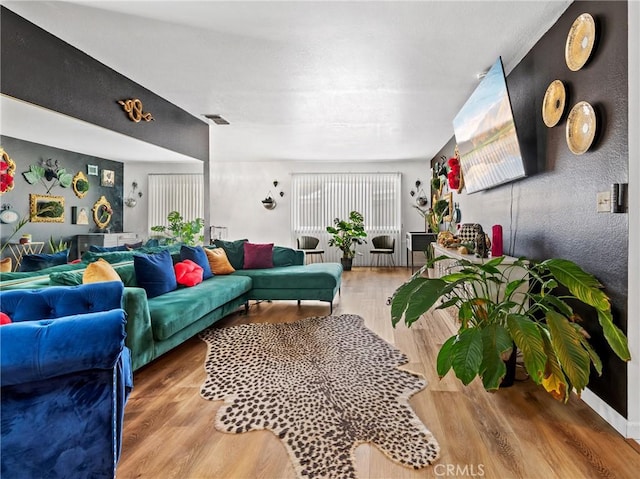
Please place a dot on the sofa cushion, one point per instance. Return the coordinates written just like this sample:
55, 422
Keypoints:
154, 273
36, 262
311, 276
218, 261
99, 271
283, 256
234, 250
174, 311
257, 256
188, 273
199, 257
106, 249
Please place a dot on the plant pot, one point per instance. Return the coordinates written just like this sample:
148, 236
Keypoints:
510, 363
346, 263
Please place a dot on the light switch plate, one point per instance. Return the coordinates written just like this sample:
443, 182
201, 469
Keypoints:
604, 202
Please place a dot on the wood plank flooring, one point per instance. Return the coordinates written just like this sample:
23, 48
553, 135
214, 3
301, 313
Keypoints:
518, 432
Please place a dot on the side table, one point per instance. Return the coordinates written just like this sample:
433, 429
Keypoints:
18, 250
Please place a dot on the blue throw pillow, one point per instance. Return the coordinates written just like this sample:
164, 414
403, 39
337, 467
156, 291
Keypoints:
199, 257
36, 262
154, 273
234, 250
106, 249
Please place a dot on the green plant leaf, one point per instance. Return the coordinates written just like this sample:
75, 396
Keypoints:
582, 285
401, 296
614, 336
567, 344
554, 382
526, 335
445, 356
467, 355
35, 174
422, 299
495, 342
595, 359
65, 179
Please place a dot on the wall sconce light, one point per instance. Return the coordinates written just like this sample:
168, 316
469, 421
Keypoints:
422, 199
269, 202
131, 201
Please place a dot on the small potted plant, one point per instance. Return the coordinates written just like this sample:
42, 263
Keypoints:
181, 231
345, 235
528, 305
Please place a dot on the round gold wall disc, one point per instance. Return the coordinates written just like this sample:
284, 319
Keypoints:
581, 127
580, 41
553, 103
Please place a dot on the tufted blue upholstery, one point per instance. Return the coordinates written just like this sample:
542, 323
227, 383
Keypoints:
65, 376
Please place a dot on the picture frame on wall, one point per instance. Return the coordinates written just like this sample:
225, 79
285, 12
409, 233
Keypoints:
79, 215
108, 178
46, 208
92, 170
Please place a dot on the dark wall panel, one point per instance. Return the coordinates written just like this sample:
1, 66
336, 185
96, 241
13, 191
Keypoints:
25, 153
552, 213
41, 69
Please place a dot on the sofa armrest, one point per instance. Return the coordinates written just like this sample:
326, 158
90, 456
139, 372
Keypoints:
42, 349
139, 334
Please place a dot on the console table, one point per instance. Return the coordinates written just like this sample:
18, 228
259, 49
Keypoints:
447, 266
18, 250
84, 242
418, 241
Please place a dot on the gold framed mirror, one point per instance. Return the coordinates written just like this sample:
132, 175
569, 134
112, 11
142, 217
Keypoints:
80, 184
46, 208
449, 215
102, 212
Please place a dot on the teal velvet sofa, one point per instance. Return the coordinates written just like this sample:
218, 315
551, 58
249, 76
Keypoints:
157, 325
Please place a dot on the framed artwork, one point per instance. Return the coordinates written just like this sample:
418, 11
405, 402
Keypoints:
108, 178
46, 208
92, 170
80, 185
449, 216
79, 215
102, 212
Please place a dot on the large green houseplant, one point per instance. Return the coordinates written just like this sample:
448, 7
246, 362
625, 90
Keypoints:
179, 230
346, 234
533, 311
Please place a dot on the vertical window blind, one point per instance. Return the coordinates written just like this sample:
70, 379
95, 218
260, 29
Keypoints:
170, 192
318, 198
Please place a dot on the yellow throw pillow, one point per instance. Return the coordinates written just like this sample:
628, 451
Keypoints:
218, 261
99, 271
6, 265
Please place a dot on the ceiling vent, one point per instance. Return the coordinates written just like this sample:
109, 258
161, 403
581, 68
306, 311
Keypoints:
217, 119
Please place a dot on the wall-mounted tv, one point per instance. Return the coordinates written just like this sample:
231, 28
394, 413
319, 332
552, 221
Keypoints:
486, 135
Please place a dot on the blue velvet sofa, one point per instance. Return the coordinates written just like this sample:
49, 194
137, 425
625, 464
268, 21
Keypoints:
65, 375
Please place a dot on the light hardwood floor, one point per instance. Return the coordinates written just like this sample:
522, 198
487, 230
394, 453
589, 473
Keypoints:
518, 432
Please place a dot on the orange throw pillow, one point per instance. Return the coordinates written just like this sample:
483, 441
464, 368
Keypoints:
218, 261
99, 271
5, 265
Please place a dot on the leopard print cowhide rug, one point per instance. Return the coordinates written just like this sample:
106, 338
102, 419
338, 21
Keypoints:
323, 385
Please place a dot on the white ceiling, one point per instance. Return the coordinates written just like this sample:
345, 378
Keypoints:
298, 80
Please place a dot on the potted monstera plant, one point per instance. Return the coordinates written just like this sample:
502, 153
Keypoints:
345, 235
525, 305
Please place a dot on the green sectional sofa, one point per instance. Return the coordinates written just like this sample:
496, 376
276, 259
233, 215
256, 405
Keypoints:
156, 325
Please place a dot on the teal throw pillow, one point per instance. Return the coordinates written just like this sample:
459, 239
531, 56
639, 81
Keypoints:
234, 250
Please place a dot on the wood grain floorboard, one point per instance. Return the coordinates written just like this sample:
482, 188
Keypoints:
515, 433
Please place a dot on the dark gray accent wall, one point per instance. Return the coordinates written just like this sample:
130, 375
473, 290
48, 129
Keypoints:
25, 153
40, 68
552, 213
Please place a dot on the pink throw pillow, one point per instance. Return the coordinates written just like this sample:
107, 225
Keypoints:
188, 273
258, 256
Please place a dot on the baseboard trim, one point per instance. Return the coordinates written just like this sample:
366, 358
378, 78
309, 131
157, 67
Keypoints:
613, 417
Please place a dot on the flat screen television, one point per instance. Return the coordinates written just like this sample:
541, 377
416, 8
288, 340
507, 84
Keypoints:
486, 135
